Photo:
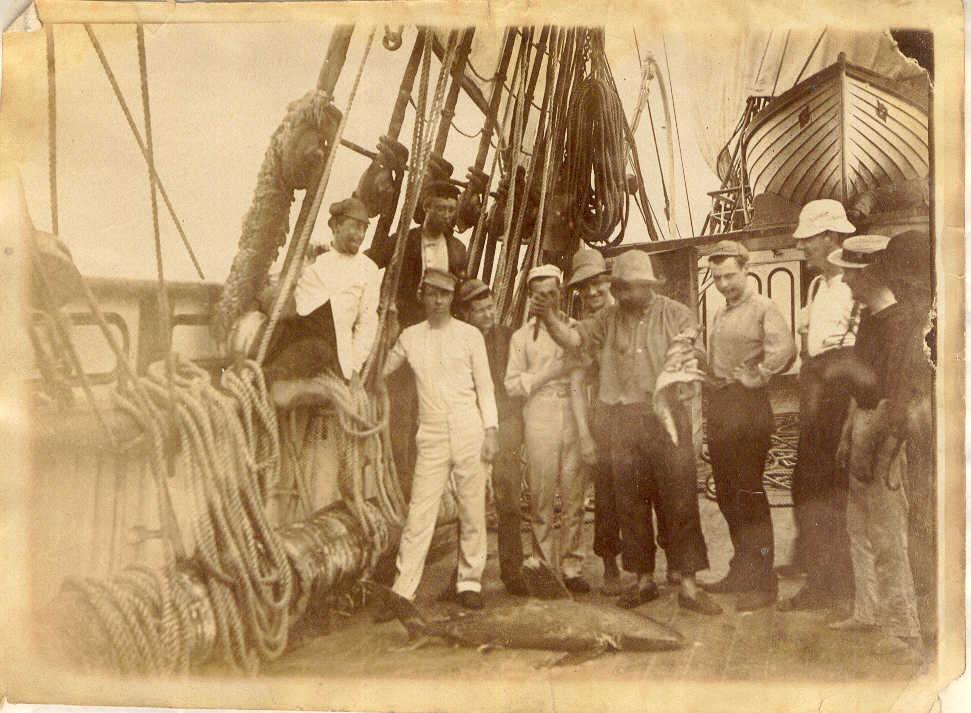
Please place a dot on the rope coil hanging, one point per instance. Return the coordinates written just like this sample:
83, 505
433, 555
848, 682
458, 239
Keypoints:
595, 180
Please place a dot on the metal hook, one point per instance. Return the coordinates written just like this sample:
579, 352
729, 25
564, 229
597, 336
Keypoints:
392, 40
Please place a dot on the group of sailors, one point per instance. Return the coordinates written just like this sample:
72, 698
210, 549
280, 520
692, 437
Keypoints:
607, 398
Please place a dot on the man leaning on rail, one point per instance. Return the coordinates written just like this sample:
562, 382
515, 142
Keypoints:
329, 324
635, 342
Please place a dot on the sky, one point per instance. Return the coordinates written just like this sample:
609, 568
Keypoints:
217, 94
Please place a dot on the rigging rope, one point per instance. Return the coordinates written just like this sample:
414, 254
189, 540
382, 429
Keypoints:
140, 621
423, 135
810, 57
51, 124
765, 50
677, 131
141, 145
165, 326
782, 58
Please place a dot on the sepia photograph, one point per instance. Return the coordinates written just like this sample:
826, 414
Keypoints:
426, 356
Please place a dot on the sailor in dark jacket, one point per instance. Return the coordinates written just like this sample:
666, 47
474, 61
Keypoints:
431, 245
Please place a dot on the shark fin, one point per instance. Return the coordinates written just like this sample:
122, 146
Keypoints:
575, 658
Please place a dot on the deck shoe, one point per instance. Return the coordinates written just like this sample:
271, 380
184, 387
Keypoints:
469, 599
851, 624
383, 614
806, 599
731, 584
700, 603
636, 596
577, 585
755, 599
612, 586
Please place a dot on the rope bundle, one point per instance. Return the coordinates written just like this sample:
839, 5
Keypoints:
228, 456
140, 622
593, 169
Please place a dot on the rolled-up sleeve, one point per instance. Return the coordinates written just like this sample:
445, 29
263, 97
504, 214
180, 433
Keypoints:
482, 376
680, 322
593, 332
778, 347
518, 382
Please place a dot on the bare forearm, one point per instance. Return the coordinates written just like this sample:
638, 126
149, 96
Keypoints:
561, 330
578, 402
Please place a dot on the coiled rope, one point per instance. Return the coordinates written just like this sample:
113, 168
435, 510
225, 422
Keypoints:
594, 173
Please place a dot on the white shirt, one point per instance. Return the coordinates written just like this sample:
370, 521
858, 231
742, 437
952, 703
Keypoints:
528, 357
352, 285
831, 320
434, 253
451, 371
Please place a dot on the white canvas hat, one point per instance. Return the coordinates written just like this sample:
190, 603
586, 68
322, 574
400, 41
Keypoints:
822, 215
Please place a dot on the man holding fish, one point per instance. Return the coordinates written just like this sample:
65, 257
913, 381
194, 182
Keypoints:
638, 340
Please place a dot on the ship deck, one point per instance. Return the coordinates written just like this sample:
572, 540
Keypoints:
761, 646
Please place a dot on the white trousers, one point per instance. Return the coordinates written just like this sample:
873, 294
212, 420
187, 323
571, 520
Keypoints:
553, 454
446, 446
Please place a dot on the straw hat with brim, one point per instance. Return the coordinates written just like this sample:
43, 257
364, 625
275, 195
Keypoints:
586, 264
859, 251
819, 216
472, 290
439, 278
352, 207
634, 266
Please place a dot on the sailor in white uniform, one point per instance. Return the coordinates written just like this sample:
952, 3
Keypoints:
457, 435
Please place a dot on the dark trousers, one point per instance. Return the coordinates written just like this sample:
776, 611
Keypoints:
819, 486
606, 524
303, 347
648, 469
740, 426
507, 483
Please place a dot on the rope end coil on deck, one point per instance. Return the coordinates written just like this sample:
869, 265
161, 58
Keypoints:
232, 599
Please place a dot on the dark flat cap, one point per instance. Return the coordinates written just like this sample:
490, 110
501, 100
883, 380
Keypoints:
439, 189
